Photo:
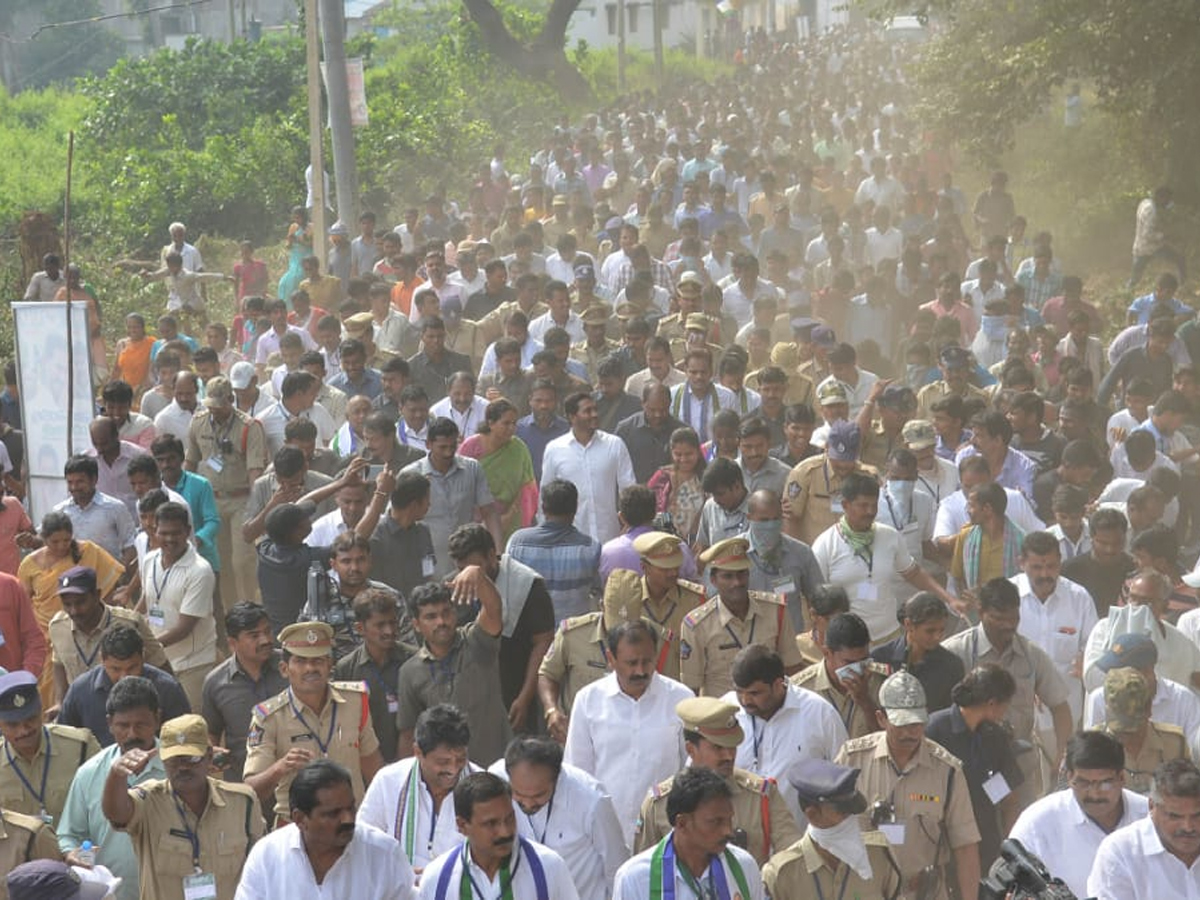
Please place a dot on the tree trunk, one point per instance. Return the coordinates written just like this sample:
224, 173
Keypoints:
545, 58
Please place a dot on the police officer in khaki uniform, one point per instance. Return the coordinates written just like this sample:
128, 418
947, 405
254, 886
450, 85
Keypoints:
191, 832
313, 718
576, 657
847, 676
697, 328
37, 762
955, 363
711, 636
917, 795
687, 300
596, 348
229, 449
22, 839
812, 498
832, 861
711, 736
1127, 699
800, 389
77, 629
894, 404
665, 598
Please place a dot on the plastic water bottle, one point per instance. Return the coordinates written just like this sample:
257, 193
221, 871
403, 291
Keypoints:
87, 854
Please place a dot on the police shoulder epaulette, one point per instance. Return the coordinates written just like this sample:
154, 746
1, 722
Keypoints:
937, 751
691, 586
807, 674
700, 613
272, 704
661, 789
875, 839
20, 820
354, 686
767, 597
572, 622
755, 783
70, 732
866, 742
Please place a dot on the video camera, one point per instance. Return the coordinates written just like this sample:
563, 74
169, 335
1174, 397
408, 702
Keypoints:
1022, 876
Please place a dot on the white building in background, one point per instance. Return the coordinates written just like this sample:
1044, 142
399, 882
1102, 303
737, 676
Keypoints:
173, 27
596, 22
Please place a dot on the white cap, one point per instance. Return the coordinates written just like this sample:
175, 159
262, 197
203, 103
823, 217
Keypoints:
240, 375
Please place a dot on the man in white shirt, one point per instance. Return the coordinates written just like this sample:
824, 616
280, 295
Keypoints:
1158, 856
176, 418
782, 723
632, 700
696, 859
490, 860
883, 240
413, 799
44, 285
560, 314
323, 853
952, 512
981, 291
1056, 614
461, 405
1178, 658
697, 400
268, 341
936, 477
843, 368
1173, 703
596, 462
880, 188
298, 397
567, 810
177, 588
1064, 829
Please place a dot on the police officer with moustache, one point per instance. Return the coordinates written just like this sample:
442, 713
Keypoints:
917, 795
313, 718
835, 854
711, 735
712, 635
37, 762
665, 598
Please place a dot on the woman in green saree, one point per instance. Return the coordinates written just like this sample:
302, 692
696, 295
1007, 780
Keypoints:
507, 464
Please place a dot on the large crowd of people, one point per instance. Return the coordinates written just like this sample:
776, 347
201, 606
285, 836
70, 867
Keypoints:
527, 549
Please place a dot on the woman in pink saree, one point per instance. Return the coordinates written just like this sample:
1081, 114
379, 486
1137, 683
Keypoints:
507, 464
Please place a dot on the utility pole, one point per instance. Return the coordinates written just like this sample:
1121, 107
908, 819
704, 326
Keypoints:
345, 173
656, 16
621, 45
316, 151
232, 21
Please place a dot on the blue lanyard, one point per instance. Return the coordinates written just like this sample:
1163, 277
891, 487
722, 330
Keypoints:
88, 660
324, 746
39, 796
192, 836
378, 681
159, 587
549, 812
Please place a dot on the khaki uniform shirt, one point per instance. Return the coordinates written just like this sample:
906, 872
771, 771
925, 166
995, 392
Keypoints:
576, 657
814, 372
467, 340
857, 720
711, 637
809, 650
814, 491
593, 356
800, 388
671, 328
940, 390
22, 839
226, 830
249, 450
1161, 743
667, 614
492, 325
801, 873
931, 793
876, 445
758, 809
77, 652
343, 726
68, 748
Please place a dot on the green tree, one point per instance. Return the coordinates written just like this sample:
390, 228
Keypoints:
57, 54
995, 65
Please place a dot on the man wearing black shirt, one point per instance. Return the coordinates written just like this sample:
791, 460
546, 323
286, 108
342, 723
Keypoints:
1103, 570
495, 291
